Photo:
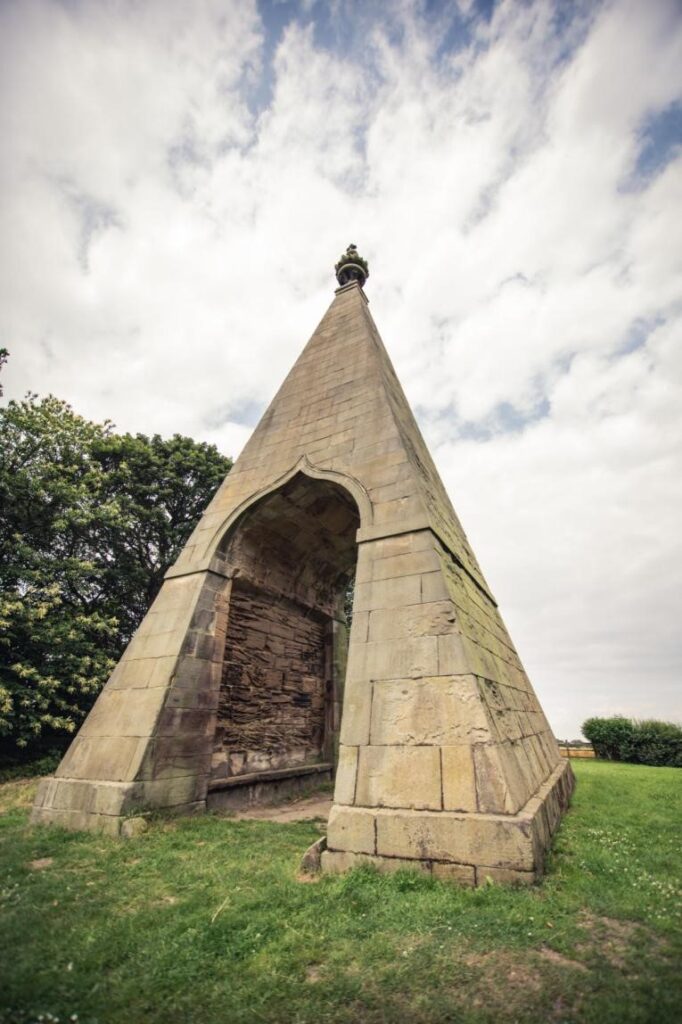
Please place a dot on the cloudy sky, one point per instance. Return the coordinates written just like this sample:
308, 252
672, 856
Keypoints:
177, 179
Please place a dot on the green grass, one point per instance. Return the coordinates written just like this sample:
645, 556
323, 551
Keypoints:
203, 920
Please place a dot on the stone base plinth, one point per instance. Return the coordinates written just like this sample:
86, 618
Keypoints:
466, 848
97, 806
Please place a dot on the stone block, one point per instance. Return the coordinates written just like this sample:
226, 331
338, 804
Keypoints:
107, 758
77, 820
399, 777
399, 489
395, 593
124, 713
455, 656
160, 645
43, 792
407, 564
357, 707
337, 863
463, 838
346, 775
399, 509
364, 564
494, 795
389, 865
359, 627
410, 657
174, 791
382, 469
311, 861
438, 710
72, 795
180, 721
352, 829
399, 544
432, 619
116, 798
459, 779
180, 755
434, 587
462, 874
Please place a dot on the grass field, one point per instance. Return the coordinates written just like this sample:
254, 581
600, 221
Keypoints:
204, 921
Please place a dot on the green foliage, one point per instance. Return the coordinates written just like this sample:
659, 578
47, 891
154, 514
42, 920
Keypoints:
608, 736
91, 521
31, 769
203, 920
624, 739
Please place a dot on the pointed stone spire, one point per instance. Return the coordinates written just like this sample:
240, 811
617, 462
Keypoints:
237, 677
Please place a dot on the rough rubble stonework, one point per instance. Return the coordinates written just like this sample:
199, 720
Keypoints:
237, 678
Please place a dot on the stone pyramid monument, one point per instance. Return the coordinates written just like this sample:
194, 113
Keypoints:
242, 683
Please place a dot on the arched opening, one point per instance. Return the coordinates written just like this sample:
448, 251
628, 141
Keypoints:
290, 558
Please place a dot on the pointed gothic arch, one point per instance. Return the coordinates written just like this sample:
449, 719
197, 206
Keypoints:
289, 556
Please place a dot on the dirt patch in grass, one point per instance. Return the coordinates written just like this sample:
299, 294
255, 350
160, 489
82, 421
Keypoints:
553, 957
308, 809
610, 939
40, 863
517, 968
511, 985
308, 879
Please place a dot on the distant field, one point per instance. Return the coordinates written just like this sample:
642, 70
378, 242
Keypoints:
204, 920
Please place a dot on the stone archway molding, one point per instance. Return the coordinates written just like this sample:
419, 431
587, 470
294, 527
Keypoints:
307, 468
208, 560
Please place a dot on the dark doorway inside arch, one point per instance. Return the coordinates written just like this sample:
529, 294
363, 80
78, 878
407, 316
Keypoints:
290, 559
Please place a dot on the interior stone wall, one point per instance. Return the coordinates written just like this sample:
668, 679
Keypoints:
274, 686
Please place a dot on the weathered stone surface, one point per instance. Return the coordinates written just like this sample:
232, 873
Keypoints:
311, 859
439, 710
109, 758
412, 657
462, 874
432, 619
346, 775
336, 862
128, 713
395, 593
357, 710
464, 838
404, 776
351, 828
273, 689
459, 778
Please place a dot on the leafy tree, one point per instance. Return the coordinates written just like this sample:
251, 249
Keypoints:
91, 520
608, 736
624, 739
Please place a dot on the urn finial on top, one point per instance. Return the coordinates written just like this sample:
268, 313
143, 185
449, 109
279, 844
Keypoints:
351, 267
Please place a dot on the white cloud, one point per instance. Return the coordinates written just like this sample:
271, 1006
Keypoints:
167, 249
